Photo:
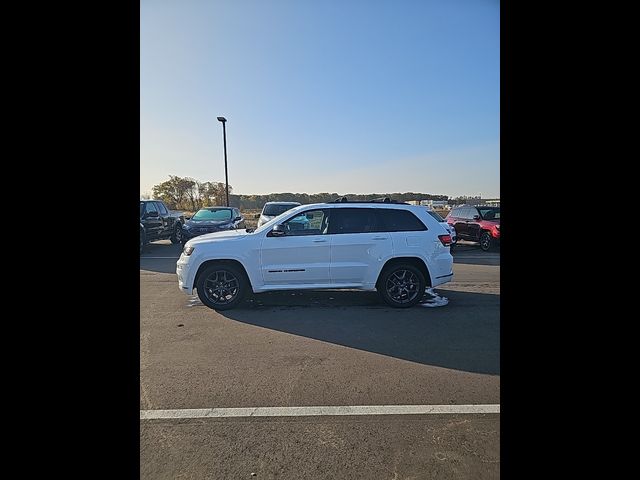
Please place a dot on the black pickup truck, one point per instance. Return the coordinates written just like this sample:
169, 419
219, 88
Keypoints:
158, 223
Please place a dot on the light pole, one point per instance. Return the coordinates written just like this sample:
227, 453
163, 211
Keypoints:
224, 139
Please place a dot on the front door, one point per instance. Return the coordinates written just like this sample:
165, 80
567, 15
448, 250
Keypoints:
302, 255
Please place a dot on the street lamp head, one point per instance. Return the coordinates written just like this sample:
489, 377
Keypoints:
222, 119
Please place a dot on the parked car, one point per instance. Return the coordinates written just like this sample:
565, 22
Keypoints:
210, 220
271, 210
449, 228
158, 223
477, 224
397, 249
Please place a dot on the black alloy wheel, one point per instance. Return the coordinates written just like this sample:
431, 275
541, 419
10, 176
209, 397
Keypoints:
221, 287
402, 286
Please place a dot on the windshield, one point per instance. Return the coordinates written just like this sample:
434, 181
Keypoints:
214, 215
435, 215
490, 213
276, 209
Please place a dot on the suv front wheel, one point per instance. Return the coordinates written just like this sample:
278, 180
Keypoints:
176, 237
402, 285
221, 287
486, 242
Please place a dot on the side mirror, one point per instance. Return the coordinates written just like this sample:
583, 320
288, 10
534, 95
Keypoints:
187, 218
257, 215
277, 231
476, 217
151, 215
237, 219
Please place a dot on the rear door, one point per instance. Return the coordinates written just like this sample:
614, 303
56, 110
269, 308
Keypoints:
358, 245
454, 220
473, 226
152, 224
461, 223
166, 220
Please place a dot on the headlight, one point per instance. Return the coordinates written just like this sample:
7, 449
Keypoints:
188, 250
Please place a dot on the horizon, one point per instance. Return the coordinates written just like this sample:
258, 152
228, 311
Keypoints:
324, 97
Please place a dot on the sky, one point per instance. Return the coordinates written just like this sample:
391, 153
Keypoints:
345, 96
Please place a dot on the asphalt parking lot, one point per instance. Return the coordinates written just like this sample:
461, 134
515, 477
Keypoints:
312, 348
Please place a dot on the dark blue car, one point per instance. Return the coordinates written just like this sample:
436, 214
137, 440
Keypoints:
210, 220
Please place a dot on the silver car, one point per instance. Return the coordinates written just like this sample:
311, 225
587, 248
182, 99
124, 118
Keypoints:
273, 209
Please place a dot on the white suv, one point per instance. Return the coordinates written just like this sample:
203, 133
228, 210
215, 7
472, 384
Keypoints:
394, 248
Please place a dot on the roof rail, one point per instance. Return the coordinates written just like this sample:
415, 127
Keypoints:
375, 200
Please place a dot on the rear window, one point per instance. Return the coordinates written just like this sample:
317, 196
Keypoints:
275, 209
435, 215
391, 220
352, 220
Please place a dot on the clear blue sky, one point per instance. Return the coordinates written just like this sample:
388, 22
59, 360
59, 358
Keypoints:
338, 96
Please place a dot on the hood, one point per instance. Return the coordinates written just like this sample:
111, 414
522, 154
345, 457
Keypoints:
218, 237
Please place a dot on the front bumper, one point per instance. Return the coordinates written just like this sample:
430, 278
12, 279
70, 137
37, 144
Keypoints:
182, 270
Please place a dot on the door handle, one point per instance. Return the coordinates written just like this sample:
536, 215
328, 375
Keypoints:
379, 238
319, 241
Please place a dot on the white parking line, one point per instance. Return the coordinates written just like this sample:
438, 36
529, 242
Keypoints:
317, 411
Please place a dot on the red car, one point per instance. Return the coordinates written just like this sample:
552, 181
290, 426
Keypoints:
477, 224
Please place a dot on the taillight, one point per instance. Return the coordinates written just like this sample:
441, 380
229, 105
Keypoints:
445, 239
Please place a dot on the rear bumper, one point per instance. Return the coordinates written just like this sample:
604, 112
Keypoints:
442, 279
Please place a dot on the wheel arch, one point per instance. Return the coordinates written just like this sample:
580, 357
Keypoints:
415, 261
225, 261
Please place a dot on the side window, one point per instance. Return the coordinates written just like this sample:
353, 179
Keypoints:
312, 222
151, 207
392, 220
161, 209
353, 220
472, 212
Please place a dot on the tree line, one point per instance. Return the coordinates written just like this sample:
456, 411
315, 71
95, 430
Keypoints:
190, 194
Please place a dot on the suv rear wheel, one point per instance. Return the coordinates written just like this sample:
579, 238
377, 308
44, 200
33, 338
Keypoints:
402, 285
221, 287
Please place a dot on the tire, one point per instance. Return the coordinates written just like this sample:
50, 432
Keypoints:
176, 237
231, 282
486, 241
395, 291
142, 240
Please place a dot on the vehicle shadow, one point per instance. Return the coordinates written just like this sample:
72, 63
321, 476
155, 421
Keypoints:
471, 254
160, 256
463, 335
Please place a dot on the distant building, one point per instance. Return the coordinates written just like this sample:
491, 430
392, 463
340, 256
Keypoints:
494, 202
440, 204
